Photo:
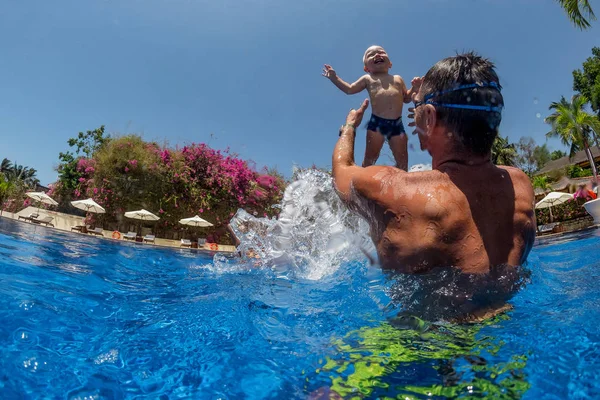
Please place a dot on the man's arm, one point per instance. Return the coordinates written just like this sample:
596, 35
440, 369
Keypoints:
356, 87
347, 176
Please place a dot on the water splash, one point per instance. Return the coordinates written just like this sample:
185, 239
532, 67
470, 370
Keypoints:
314, 234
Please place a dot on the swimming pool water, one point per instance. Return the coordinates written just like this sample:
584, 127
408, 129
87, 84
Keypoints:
87, 318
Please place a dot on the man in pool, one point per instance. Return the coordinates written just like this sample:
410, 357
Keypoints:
466, 213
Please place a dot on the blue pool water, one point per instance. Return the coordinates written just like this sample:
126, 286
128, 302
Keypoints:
87, 318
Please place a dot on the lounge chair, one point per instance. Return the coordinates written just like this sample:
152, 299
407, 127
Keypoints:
201, 242
130, 236
46, 221
96, 231
547, 228
80, 228
149, 238
185, 243
30, 218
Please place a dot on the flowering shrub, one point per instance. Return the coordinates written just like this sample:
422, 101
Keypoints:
571, 209
128, 173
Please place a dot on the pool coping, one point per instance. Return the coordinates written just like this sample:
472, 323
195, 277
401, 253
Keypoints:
551, 235
123, 241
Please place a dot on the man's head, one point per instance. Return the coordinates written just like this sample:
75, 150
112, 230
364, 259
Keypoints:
376, 60
460, 97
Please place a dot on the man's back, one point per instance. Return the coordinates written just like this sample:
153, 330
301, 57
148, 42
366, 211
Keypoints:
470, 217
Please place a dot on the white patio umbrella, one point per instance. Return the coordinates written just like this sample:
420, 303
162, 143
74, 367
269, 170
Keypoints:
42, 198
195, 221
553, 199
88, 205
142, 215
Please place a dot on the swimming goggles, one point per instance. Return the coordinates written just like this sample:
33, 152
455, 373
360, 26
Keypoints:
428, 97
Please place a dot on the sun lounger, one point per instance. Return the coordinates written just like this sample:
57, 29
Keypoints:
201, 242
30, 218
547, 228
149, 238
130, 236
46, 221
80, 228
96, 231
185, 243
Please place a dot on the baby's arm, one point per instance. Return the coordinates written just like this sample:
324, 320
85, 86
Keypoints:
416, 86
356, 87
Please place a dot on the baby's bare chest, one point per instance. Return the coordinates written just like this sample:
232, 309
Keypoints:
384, 87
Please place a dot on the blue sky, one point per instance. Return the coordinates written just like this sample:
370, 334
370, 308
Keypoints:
245, 74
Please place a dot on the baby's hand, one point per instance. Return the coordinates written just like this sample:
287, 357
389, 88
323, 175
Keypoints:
416, 83
328, 72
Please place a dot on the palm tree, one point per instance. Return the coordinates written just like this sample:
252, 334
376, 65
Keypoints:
5, 166
574, 126
503, 152
579, 11
21, 174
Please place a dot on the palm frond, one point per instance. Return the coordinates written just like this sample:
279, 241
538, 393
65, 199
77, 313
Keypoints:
580, 12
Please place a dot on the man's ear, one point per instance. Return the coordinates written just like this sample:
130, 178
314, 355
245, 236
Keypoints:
366, 69
430, 118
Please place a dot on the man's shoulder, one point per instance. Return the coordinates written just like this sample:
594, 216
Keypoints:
513, 171
382, 179
516, 174
521, 182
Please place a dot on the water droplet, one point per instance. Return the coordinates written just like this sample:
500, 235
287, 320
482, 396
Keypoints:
469, 99
535, 100
538, 115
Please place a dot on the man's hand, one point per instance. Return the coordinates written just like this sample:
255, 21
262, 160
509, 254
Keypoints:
329, 72
411, 116
355, 117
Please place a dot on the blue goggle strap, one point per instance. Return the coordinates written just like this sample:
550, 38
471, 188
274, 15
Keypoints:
466, 106
461, 87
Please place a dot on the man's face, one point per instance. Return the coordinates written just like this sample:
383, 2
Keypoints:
376, 60
420, 123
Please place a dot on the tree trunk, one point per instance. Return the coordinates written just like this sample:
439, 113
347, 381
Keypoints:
588, 152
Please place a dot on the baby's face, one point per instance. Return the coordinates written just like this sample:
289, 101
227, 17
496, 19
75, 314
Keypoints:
376, 60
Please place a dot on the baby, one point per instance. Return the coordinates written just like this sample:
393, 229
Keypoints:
388, 93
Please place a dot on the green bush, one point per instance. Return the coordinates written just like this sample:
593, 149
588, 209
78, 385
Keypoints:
569, 210
575, 171
128, 173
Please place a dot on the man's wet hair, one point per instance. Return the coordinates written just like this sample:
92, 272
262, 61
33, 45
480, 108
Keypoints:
476, 129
